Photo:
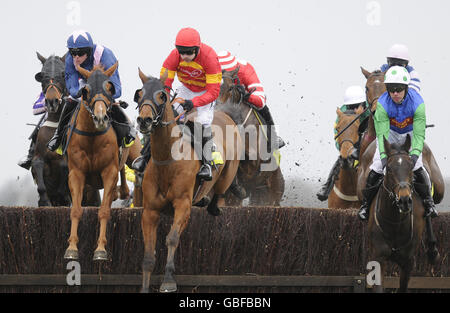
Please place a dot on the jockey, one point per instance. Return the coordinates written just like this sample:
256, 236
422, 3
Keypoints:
254, 91
353, 98
83, 52
38, 109
398, 54
400, 111
197, 68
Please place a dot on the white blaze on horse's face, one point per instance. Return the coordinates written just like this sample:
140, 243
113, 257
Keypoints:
100, 116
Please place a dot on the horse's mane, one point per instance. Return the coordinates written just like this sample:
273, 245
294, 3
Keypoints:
233, 110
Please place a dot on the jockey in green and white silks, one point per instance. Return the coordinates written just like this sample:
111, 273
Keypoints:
353, 98
400, 112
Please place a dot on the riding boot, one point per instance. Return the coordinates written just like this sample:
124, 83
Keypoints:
26, 162
123, 127
324, 192
205, 171
141, 162
373, 182
422, 185
265, 113
66, 114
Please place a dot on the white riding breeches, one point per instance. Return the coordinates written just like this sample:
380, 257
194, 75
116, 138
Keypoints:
205, 114
393, 138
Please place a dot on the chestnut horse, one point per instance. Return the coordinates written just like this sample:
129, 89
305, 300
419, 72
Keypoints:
396, 220
93, 154
262, 180
48, 168
343, 195
170, 183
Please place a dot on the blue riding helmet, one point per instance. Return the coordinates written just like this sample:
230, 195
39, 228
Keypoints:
80, 39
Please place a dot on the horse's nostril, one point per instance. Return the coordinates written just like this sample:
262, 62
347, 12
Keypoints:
139, 120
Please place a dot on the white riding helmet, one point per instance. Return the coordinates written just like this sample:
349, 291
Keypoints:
399, 51
397, 75
354, 94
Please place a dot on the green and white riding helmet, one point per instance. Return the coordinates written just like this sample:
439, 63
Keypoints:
397, 75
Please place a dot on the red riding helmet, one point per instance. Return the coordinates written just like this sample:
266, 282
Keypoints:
188, 37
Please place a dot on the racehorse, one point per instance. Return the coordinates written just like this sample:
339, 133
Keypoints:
396, 220
262, 186
343, 194
374, 89
93, 153
170, 183
48, 168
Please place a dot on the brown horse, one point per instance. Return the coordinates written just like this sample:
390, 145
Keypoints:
170, 181
343, 194
259, 172
48, 168
396, 220
93, 154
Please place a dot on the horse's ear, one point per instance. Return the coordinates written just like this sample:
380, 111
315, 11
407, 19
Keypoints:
41, 58
164, 77
359, 109
39, 76
86, 74
407, 143
109, 72
387, 146
339, 112
142, 76
137, 95
63, 58
365, 72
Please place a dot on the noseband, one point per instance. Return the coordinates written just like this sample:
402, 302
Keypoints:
54, 86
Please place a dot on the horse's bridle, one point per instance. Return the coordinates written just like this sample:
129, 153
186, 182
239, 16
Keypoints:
98, 97
55, 86
158, 116
392, 191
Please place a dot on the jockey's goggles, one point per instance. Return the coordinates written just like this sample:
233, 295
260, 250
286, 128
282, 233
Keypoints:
79, 51
396, 88
186, 50
394, 61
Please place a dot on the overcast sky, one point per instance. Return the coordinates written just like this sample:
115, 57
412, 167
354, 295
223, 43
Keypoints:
306, 54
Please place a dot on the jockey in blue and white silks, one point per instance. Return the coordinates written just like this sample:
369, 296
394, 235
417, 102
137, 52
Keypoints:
84, 53
398, 54
400, 112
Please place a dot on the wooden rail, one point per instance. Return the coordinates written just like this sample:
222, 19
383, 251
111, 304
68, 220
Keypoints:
356, 282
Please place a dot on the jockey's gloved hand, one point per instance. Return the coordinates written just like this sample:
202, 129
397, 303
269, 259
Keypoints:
123, 104
248, 94
188, 105
414, 159
384, 162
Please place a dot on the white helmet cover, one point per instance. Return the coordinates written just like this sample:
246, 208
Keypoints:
399, 51
397, 75
354, 94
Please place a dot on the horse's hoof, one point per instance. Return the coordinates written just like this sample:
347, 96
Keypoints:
168, 287
100, 256
215, 211
203, 202
433, 256
71, 255
145, 290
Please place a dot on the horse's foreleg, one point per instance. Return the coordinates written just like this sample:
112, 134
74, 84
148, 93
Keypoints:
76, 186
182, 212
109, 177
149, 224
124, 190
38, 168
405, 273
432, 251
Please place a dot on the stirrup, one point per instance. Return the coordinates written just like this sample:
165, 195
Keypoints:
363, 214
204, 176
